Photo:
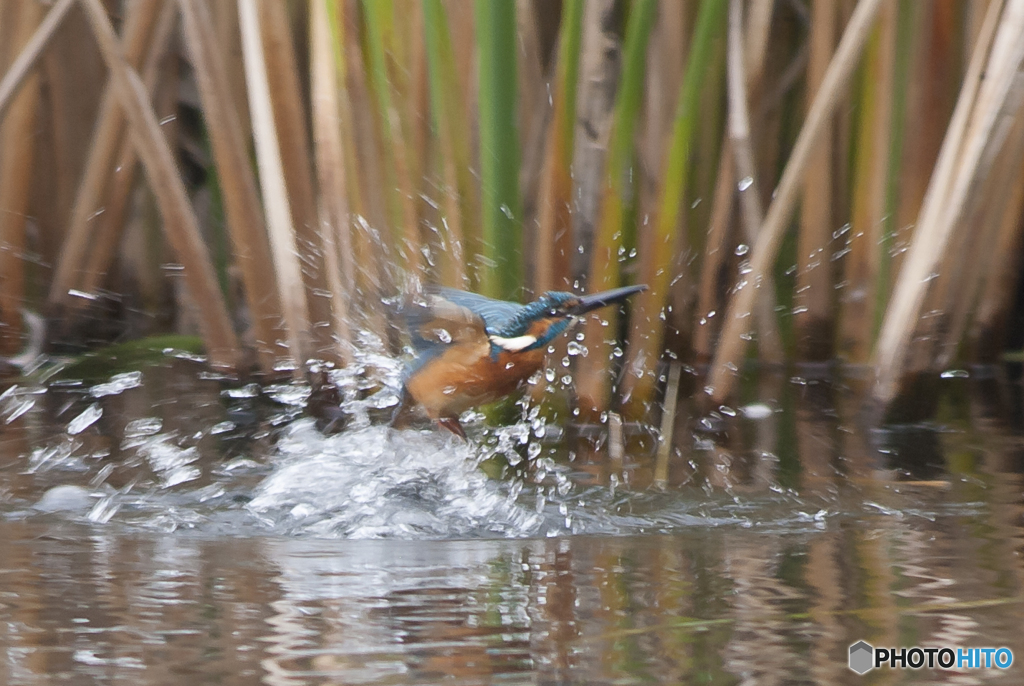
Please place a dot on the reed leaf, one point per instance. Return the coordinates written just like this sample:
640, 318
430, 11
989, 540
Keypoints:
903, 60
18, 145
871, 174
647, 325
379, 17
554, 236
363, 177
180, 224
459, 207
502, 273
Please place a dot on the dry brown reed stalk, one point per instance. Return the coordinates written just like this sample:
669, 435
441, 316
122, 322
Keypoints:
993, 215
716, 245
18, 144
871, 176
759, 28
535, 111
769, 342
987, 330
951, 292
599, 68
929, 105
288, 103
765, 250
180, 224
30, 51
237, 183
813, 310
229, 44
966, 156
65, 122
283, 241
330, 166
110, 224
414, 95
108, 138
593, 380
716, 255
668, 421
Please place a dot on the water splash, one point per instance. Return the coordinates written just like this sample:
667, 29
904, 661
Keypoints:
376, 482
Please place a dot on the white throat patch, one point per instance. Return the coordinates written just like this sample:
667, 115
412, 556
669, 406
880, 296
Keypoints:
513, 345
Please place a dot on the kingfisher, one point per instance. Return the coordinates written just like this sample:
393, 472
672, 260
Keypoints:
472, 350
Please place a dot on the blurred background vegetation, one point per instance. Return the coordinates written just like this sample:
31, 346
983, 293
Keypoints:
798, 181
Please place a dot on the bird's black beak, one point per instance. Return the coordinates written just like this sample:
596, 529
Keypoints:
592, 302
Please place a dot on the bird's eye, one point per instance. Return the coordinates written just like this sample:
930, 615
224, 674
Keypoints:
553, 312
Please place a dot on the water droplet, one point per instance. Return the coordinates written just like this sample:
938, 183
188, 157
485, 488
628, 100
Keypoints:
248, 391
83, 421
549, 374
955, 374
143, 427
742, 249
565, 361
745, 183
117, 384
756, 411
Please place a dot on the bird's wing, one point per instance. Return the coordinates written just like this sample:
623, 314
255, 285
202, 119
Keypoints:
435, 322
495, 313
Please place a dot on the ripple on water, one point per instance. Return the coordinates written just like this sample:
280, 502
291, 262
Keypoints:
376, 482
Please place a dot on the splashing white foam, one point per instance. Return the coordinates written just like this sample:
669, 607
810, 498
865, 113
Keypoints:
376, 482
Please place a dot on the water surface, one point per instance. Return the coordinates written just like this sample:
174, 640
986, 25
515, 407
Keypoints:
172, 526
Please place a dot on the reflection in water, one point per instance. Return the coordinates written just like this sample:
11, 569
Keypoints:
197, 532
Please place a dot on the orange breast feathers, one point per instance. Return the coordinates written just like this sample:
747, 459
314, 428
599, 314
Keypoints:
466, 375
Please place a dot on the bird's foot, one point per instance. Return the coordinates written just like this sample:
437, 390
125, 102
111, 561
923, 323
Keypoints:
453, 425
